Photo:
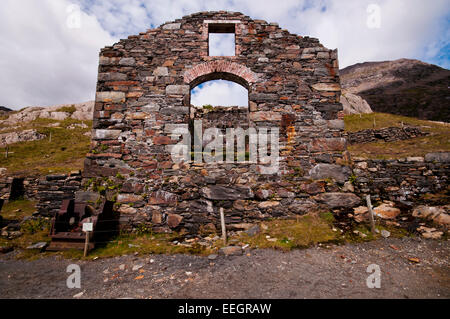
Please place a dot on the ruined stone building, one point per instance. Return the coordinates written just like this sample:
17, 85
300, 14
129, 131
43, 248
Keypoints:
143, 93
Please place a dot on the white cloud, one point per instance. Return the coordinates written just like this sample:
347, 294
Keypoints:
43, 62
219, 93
221, 44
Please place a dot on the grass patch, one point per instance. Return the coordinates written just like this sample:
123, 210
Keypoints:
147, 244
67, 109
126, 244
65, 152
356, 122
18, 209
437, 141
289, 234
33, 230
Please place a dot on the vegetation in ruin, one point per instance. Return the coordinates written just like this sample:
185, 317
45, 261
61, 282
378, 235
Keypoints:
438, 139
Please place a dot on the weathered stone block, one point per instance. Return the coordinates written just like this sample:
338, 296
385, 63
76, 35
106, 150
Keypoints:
323, 171
219, 192
265, 116
386, 211
333, 87
106, 134
336, 124
150, 108
114, 97
163, 198
177, 89
157, 218
339, 200
328, 144
171, 26
127, 61
128, 198
174, 220
161, 71
87, 197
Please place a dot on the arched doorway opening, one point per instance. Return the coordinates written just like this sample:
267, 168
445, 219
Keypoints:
219, 115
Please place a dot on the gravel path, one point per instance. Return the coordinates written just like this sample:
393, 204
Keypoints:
318, 272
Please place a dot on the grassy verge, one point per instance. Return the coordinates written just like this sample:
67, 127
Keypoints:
33, 230
286, 235
438, 139
18, 209
65, 151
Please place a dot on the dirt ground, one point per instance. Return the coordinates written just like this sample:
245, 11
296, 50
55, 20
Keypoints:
317, 272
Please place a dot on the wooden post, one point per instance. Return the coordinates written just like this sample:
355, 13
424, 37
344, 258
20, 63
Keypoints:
372, 221
224, 230
86, 244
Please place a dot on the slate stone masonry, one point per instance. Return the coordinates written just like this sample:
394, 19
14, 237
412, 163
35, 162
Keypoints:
389, 134
143, 89
143, 92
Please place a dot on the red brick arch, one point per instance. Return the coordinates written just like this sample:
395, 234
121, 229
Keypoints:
220, 70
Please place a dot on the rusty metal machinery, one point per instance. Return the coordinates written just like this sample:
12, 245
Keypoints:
67, 225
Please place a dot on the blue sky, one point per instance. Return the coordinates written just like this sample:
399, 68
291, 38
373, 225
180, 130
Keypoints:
45, 62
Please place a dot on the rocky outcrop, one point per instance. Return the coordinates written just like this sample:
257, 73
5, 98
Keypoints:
403, 87
22, 136
354, 104
80, 111
339, 200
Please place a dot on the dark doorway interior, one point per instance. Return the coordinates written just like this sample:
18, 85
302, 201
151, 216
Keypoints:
17, 189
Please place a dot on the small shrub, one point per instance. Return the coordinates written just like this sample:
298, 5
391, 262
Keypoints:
67, 109
34, 226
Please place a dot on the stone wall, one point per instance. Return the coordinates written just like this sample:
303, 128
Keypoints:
192, 202
143, 91
26, 187
389, 134
404, 179
53, 189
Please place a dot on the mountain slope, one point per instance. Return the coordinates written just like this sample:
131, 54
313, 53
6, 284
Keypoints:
403, 87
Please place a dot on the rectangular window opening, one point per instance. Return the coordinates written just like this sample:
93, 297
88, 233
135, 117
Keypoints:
222, 39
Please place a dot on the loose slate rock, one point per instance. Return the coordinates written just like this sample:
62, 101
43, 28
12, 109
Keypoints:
253, 231
231, 251
212, 257
221, 192
339, 200
38, 246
